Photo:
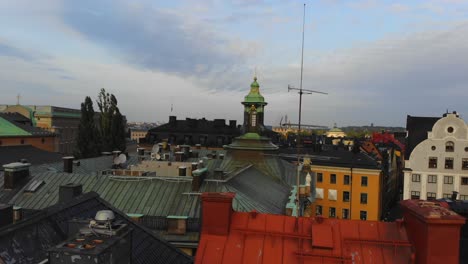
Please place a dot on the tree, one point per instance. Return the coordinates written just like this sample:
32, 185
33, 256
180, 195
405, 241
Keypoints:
112, 128
87, 143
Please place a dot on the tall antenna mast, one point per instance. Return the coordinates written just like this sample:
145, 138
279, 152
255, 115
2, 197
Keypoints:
298, 143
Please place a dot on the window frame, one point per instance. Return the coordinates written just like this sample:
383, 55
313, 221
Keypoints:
348, 194
448, 163
346, 180
463, 178
366, 180
464, 163
417, 176
317, 209
448, 179
431, 164
431, 196
415, 194
361, 213
319, 177
431, 178
449, 146
463, 197
343, 215
330, 210
332, 178
365, 196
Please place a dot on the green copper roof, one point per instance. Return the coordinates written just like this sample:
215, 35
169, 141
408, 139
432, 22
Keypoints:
8, 129
254, 96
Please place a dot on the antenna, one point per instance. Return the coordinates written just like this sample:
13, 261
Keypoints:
18, 99
300, 92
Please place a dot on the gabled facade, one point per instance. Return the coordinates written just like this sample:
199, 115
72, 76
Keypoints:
438, 165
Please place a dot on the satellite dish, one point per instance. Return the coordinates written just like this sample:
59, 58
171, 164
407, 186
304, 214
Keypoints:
155, 148
120, 159
158, 157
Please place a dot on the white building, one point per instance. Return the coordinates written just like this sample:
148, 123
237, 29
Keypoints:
439, 165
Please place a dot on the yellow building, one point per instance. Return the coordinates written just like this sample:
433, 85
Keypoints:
347, 190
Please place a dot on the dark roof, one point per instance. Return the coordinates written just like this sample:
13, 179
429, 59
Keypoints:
194, 126
335, 158
271, 197
35, 156
28, 240
417, 128
25, 124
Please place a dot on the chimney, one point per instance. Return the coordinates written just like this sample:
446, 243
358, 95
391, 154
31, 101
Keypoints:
179, 156
141, 151
6, 215
216, 213
176, 224
172, 120
116, 153
198, 178
218, 173
433, 230
17, 214
69, 191
14, 174
182, 171
68, 164
454, 196
232, 124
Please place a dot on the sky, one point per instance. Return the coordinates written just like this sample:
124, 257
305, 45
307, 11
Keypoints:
379, 61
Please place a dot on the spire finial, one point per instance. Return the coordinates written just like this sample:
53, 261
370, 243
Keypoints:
18, 99
255, 73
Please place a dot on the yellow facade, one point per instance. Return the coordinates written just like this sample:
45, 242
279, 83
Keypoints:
334, 195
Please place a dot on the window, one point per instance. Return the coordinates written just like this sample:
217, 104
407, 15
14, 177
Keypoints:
332, 178
416, 177
415, 195
364, 181
432, 162
363, 215
464, 197
332, 212
319, 177
464, 164
432, 179
318, 210
433, 147
447, 195
345, 196
253, 118
22, 141
42, 140
345, 214
450, 129
464, 180
363, 198
431, 196
449, 163
448, 179
346, 180
0, 142
449, 146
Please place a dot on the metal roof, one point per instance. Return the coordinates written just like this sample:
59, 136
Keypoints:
28, 240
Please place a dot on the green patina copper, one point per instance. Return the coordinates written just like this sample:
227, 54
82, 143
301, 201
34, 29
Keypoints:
254, 95
8, 129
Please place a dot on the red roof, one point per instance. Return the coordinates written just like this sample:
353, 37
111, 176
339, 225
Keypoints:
263, 238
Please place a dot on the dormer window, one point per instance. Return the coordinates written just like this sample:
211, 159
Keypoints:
449, 146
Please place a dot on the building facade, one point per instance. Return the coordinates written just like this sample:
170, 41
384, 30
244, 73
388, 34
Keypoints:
438, 165
61, 121
348, 193
137, 134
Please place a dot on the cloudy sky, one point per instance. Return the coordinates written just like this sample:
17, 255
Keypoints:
378, 60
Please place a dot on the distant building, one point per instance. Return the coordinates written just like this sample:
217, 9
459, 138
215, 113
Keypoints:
137, 134
61, 121
195, 131
438, 165
17, 130
335, 132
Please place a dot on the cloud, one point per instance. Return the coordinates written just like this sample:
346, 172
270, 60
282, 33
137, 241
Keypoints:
155, 39
10, 51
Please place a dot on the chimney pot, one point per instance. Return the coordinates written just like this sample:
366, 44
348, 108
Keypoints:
68, 164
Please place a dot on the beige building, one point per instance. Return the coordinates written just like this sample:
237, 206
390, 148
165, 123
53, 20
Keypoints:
439, 165
137, 134
335, 132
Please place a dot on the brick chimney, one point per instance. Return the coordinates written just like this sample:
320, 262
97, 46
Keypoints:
198, 176
15, 173
433, 230
216, 213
